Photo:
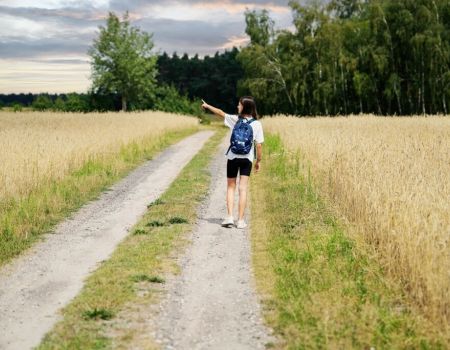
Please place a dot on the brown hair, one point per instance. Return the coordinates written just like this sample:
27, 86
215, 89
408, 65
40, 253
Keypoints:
249, 106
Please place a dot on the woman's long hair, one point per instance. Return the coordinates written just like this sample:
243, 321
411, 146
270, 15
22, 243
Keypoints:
249, 106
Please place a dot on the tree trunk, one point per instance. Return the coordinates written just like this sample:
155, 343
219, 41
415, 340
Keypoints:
397, 94
423, 87
444, 104
344, 88
124, 103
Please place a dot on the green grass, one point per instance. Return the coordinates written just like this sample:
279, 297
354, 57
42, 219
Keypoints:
98, 314
322, 290
147, 278
23, 221
137, 264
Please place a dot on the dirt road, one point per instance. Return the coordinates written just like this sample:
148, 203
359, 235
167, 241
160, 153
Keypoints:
212, 304
36, 285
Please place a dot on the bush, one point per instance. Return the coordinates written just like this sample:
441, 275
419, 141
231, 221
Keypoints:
17, 107
168, 99
60, 104
42, 103
76, 103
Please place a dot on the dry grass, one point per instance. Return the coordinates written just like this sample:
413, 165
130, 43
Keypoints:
390, 177
38, 147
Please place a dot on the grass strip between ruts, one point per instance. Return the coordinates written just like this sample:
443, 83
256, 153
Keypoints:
137, 265
320, 290
23, 221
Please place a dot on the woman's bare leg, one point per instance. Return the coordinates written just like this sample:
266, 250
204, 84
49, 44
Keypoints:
243, 182
231, 186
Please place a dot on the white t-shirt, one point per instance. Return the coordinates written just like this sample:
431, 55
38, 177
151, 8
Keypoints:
258, 136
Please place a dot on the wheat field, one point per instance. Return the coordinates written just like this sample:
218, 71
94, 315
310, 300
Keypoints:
390, 179
38, 147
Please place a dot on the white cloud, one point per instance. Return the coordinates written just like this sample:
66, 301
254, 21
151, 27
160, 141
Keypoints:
13, 27
49, 34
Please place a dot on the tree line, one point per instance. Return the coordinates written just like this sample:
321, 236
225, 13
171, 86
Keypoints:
127, 75
181, 82
351, 56
339, 57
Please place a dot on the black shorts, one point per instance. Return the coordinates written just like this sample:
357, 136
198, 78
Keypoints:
243, 165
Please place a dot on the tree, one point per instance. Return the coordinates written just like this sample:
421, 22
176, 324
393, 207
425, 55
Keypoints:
122, 61
259, 27
76, 103
42, 103
17, 107
346, 8
60, 104
213, 79
350, 56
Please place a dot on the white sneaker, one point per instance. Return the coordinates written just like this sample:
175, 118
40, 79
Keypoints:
241, 224
228, 222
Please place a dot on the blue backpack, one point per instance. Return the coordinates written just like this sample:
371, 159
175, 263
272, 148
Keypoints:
241, 137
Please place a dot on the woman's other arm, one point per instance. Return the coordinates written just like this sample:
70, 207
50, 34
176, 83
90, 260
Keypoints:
258, 157
214, 110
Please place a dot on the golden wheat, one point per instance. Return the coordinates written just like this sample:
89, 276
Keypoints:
390, 177
37, 147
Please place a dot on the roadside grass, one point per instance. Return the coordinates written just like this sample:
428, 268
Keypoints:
23, 221
321, 289
130, 278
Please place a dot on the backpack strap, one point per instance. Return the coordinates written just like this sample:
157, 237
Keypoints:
248, 121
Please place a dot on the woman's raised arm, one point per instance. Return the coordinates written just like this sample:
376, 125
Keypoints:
214, 110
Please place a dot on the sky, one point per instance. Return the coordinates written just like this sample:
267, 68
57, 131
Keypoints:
44, 44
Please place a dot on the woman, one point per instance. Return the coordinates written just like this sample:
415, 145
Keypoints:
240, 163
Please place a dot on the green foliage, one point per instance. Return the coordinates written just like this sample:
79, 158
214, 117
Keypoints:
155, 223
259, 27
351, 56
72, 102
147, 278
102, 102
17, 107
42, 103
168, 99
122, 61
158, 201
139, 231
178, 220
212, 78
76, 103
96, 314
59, 104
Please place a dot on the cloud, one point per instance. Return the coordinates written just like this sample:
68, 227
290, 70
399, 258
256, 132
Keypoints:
58, 33
68, 15
191, 36
176, 25
61, 47
140, 5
